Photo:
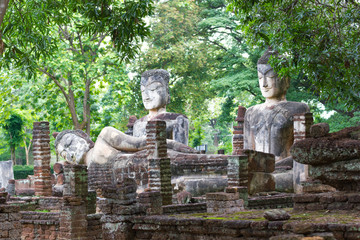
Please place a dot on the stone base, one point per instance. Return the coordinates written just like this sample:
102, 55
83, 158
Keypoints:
261, 182
327, 201
282, 200
316, 187
221, 202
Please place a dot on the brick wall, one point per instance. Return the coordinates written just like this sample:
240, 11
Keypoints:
10, 226
39, 225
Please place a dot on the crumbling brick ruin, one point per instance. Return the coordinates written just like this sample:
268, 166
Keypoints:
104, 201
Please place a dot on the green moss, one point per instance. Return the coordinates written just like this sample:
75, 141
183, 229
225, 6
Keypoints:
42, 210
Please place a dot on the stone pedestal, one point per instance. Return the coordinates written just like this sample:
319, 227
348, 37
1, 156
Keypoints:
302, 124
73, 214
260, 167
159, 163
41, 153
221, 202
238, 134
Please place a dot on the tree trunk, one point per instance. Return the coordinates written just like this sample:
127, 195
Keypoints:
27, 150
13, 156
3, 7
86, 108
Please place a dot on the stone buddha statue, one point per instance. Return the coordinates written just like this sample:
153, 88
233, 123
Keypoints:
111, 142
268, 127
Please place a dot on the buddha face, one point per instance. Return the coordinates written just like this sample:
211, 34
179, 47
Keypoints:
154, 94
271, 86
72, 148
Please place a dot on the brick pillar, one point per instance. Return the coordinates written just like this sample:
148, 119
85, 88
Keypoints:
41, 153
159, 163
302, 124
119, 207
73, 214
237, 174
238, 138
130, 125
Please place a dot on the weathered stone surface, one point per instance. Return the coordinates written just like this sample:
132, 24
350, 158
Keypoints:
319, 130
73, 146
276, 215
284, 181
288, 237
261, 182
334, 159
343, 175
260, 161
6, 173
339, 146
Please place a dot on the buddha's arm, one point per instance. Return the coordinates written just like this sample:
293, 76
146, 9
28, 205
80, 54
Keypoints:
179, 147
121, 141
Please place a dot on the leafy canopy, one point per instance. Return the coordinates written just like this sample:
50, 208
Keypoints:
27, 27
319, 38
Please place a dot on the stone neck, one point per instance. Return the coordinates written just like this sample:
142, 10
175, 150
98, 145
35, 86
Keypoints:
154, 112
273, 101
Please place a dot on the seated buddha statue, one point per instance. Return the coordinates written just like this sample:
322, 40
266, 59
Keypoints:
268, 127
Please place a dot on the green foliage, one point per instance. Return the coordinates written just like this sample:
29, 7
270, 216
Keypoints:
196, 135
13, 127
21, 172
319, 39
28, 27
338, 121
182, 52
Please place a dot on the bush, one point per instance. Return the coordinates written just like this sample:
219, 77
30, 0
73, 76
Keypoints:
21, 172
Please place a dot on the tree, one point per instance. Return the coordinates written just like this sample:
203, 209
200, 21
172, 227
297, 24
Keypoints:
74, 47
14, 133
319, 39
27, 27
175, 45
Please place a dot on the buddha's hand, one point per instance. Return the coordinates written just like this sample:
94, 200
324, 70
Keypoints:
179, 147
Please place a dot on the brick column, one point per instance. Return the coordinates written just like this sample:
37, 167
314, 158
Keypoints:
41, 153
238, 138
73, 214
130, 125
159, 163
302, 124
119, 206
237, 174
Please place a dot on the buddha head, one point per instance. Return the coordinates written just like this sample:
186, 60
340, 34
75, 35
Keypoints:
73, 145
272, 87
155, 89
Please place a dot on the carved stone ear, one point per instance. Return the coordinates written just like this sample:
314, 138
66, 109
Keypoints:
55, 134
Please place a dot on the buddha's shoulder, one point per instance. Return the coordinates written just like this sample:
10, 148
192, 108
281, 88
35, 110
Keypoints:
163, 116
169, 116
295, 107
